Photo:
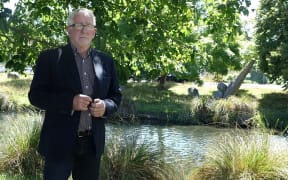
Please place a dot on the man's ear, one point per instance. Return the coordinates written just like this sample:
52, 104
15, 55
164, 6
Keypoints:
67, 31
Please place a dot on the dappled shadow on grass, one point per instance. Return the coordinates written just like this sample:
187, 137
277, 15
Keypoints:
162, 106
274, 110
146, 95
244, 92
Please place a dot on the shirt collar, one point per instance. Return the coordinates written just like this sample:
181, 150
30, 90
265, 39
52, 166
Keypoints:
75, 51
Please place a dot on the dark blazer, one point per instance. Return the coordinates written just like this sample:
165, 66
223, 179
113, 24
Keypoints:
56, 81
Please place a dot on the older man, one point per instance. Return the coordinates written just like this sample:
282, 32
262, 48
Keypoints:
77, 87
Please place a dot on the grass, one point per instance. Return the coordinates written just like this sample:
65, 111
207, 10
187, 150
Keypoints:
244, 156
127, 159
233, 111
235, 157
16, 89
174, 105
124, 158
18, 150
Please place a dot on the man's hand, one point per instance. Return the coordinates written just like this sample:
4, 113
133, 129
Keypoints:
81, 102
97, 108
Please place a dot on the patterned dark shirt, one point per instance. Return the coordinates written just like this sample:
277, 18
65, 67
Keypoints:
87, 75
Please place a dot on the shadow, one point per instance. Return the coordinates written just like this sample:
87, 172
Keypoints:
274, 109
159, 106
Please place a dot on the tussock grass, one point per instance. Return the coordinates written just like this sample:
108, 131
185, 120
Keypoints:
18, 150
201, 111
129, 159
249, 156
233, 111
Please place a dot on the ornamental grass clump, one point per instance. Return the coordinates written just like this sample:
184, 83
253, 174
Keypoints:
18, 150
233, 112
201, 110
128, 159
245, 156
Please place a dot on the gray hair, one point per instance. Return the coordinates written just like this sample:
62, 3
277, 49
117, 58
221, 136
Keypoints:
81, 10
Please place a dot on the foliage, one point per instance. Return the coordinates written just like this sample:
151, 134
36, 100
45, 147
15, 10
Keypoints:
276, 117
28, 31
19, 147
272, 30
244, 156
145, 37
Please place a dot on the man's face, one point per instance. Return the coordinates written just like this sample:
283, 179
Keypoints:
81, 38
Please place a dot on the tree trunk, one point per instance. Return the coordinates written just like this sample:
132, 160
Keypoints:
162, 78
236, 83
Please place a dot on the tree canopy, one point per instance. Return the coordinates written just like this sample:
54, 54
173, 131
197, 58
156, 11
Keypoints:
272, 40
145, 37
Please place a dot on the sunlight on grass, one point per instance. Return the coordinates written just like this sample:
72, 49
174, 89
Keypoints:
208, 88
245, 156
16, 89
182, 88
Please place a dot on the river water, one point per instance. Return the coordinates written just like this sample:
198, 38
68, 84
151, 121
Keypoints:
185, 145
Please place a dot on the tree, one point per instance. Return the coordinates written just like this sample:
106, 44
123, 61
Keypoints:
145, 37
272, 40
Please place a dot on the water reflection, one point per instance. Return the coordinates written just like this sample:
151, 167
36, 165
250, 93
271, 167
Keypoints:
183, 144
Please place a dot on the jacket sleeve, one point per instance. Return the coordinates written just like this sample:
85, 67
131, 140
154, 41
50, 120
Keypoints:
43, 93
113, 100
107, 82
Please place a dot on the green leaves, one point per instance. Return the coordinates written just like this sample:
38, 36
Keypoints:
272, 31
145, 37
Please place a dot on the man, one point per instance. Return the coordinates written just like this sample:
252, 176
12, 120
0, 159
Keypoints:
77, 87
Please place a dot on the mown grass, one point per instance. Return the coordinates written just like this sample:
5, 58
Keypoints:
15, 89
174, 105
250, 105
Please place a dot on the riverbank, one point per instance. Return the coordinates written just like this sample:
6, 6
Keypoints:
145, 103
156, 152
